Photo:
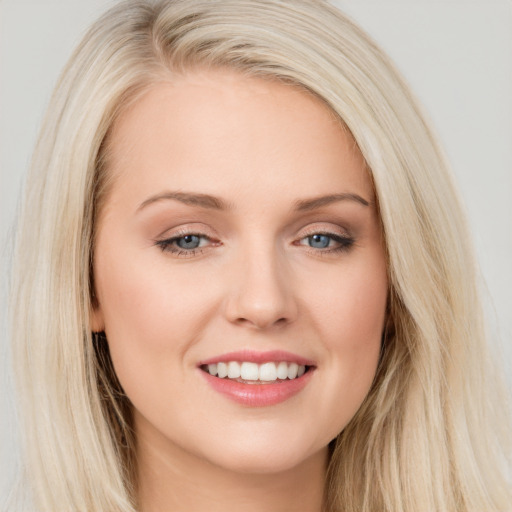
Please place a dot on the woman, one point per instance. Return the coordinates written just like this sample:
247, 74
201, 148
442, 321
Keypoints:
251, 277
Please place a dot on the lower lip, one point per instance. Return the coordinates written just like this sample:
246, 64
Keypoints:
258, 395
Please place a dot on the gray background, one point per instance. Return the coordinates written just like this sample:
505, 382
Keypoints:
456, 54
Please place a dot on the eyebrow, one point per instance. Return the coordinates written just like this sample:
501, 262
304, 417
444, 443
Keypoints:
318, 202
215, 203
192, 199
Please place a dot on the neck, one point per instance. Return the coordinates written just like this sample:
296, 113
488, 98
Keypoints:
171, 479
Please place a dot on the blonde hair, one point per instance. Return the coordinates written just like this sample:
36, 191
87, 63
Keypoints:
427, 437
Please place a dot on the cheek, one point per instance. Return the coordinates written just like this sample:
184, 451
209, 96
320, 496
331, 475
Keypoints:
151, 315
141, 296
349, 315
360, 316
350, 303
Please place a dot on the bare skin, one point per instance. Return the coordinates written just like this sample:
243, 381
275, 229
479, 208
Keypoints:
204, 486
241, 218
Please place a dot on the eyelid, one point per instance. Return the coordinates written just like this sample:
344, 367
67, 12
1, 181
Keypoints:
340, 235
166, 240
322, 228
189, 228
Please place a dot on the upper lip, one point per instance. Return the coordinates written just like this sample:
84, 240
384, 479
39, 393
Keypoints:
258, 357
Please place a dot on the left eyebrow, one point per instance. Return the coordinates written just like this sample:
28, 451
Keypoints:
191, 199
318, 202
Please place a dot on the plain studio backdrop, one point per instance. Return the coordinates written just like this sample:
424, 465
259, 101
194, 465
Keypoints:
455, 54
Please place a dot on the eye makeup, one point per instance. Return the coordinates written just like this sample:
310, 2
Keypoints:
189, 243
186, 244
326, 242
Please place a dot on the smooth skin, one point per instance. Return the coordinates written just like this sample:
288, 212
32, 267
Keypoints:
241, 216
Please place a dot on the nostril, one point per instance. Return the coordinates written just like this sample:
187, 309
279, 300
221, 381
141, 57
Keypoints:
260, 301
262, 322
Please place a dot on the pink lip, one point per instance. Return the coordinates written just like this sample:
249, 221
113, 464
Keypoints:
259, 357
258, 395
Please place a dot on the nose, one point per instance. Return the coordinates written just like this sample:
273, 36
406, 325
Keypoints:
261, 293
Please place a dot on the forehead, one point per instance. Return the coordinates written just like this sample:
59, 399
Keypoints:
215, 131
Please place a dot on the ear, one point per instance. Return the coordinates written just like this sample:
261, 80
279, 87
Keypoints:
96, 321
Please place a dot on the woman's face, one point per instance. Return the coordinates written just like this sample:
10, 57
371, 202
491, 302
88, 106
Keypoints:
240, 235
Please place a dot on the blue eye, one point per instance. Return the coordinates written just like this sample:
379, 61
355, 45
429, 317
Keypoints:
319, 241
188, 242
328, 242
185, 245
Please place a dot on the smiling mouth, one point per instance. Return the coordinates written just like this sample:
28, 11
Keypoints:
252, 373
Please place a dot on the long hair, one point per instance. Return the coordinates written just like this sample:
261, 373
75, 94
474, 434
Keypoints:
427, 437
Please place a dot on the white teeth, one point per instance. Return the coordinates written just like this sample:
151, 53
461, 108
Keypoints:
268, 372
250, 371
282, 370
233, 370
292, 370
253, 372
222, 370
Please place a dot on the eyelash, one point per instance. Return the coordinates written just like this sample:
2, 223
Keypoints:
167, 245
345, 243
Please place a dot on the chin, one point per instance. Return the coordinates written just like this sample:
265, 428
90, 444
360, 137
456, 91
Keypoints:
266, 456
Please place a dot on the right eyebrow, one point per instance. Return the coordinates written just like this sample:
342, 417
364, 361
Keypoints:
193, 199
318, 202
